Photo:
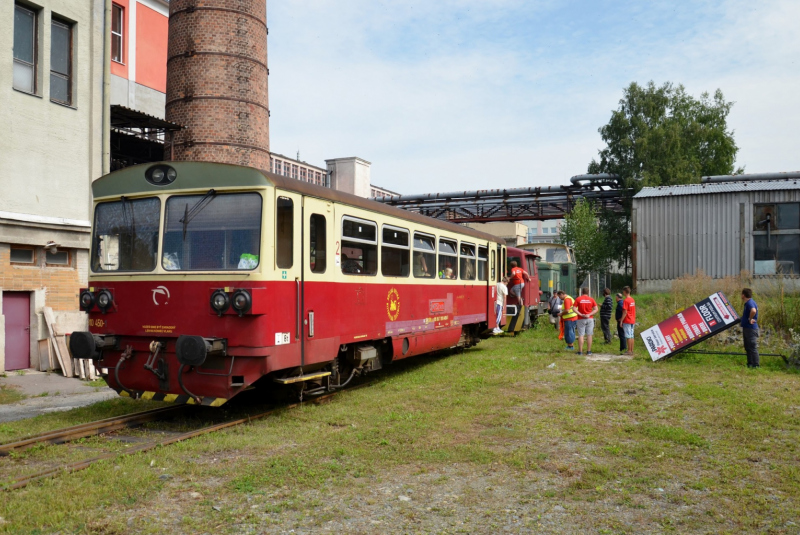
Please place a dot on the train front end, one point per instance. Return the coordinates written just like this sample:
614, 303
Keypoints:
176, 300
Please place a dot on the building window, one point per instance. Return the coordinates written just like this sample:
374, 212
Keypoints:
294, 171
61, 62
24, 49
117, 25
60, 258
22, 255
303, 174
776, 239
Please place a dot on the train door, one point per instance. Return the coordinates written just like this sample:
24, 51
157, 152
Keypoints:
532, 299
320, 310
288, 262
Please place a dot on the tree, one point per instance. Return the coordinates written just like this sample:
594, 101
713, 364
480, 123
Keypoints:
663, 136
581, 232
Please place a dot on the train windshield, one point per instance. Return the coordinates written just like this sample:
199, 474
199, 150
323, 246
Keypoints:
212, 232
556, 254
126, 235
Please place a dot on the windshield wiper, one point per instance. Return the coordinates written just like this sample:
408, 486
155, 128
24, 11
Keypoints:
190, 213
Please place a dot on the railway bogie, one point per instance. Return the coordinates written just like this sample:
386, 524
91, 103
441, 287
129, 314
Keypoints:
225, 277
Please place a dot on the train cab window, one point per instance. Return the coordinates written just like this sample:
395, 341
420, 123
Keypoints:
317, 253
494, 267
424, 255
284, 233
531, 265
448, 259
483, 254
359, 247
395, 252
466, 254
212, 232
126, 235
565, 270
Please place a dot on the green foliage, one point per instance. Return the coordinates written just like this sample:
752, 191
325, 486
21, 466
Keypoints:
582, 232
663, 136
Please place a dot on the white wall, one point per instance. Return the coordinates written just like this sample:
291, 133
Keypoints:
351, 175
50, 152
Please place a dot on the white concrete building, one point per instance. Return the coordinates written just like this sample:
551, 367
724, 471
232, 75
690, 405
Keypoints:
51, 87
351, 175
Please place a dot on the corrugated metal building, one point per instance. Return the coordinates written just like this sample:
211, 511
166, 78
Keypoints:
719, 227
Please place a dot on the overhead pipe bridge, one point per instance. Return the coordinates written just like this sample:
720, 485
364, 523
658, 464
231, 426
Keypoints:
516, 204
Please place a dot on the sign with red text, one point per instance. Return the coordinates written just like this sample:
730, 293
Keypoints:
689, 327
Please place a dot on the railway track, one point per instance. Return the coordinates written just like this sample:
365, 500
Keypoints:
110, 425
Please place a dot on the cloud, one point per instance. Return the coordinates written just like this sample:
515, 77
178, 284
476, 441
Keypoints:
467, 94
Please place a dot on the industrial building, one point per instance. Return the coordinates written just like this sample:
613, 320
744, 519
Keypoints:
722, 226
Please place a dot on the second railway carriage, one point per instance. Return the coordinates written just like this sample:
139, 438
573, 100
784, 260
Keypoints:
208, 278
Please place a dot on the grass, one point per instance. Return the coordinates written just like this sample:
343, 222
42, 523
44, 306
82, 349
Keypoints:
9, 394
691, 444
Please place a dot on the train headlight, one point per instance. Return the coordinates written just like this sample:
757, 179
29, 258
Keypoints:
104, 300
161, 175
242, 301
220, 302
86, 300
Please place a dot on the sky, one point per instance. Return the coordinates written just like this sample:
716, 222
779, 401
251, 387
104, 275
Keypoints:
448, 95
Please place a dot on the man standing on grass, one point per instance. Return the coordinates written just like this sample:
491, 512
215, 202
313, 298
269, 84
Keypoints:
605, 315
623, 345
500, 304
586, 308
750, 328
569, 317
628, 318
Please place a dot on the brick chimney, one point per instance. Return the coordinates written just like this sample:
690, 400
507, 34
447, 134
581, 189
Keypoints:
217, 81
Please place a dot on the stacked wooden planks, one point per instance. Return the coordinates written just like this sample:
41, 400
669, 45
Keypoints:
57, 345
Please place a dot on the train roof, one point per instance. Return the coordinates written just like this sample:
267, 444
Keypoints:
206, 175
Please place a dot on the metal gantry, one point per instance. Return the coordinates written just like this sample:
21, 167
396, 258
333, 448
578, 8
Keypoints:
517, 204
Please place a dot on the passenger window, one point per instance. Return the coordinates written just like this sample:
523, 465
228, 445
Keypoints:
284, 239
467, 261
317, 250
359, 247
483, 254
424, 255
448, 259
395, 252
494, 268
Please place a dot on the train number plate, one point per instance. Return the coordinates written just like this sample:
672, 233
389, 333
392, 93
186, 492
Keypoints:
281, 338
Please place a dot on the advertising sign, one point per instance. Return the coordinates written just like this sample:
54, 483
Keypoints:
691, 326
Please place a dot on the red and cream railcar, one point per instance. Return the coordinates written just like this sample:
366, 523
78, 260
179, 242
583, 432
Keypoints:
207, 278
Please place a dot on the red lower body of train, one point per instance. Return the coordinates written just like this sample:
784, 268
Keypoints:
164, 340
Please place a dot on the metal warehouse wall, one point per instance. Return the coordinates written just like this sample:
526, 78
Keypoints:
677, 235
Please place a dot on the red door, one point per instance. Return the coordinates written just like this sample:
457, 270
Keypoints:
17, 312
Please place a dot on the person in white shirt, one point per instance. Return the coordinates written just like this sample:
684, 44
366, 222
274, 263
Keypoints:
500, 303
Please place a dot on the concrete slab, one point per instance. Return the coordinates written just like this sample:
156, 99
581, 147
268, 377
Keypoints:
63, 393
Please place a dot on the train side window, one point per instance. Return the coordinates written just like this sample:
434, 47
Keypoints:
565, 270
317, 253
483, 256
448, 259
359, 246
284, 250
395, 252
531, 265
424, 255
494, 267
466, 259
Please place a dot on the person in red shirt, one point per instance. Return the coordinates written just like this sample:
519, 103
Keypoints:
517, 281
586, 307
628, 318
